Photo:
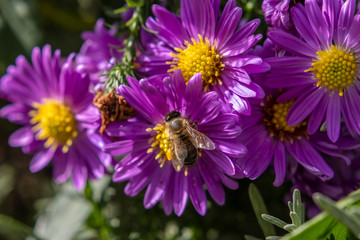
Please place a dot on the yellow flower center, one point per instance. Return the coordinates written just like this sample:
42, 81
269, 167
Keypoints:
334, 69
198, 57
275, 121
160, 142
55, 123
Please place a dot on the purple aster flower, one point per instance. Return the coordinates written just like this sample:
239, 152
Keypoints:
99, 51
277, 13
155, 152
269, 139
53, 101
323, 73
201, 41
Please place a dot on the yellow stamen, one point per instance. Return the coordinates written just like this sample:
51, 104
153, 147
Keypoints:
276, 123
198, 57
54, 122
162, 162
335, 69
160, 141
186, 172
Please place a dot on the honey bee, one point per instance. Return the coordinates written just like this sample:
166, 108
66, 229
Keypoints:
186, 141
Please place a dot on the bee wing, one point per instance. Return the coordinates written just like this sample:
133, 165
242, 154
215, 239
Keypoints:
179, 152
199, 139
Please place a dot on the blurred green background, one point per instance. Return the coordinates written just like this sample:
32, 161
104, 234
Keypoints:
58, 212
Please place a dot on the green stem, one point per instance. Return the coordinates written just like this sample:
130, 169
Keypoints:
125, 67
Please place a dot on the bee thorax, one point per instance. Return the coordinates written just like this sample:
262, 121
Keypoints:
176, 125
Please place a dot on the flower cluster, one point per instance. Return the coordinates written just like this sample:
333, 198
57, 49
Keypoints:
210, 108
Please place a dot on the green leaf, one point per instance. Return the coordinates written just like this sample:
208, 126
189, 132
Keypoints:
121, 10
323, 226
340, 231
350, 220
259, 207
297, 209
296, 220
132, 3
274, 220
355, 210
290, 227
297, 203
273, 238
302, 213
291, 206
131, 20
316, 228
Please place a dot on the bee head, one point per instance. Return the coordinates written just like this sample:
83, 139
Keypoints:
172, 115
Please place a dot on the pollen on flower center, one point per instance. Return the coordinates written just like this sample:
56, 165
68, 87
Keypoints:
55, 123
275, 121
334, 69
198, 57
160, 142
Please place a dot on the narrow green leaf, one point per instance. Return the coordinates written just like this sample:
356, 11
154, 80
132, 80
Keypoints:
121, 10
326, 204
131, 21
297, 203
295, 219
302, 212
289, 227
259, 207
355, 195
132, 3
291, 206
321, 226
12, 225
274, 220
273, 238
355, 210
316, 228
